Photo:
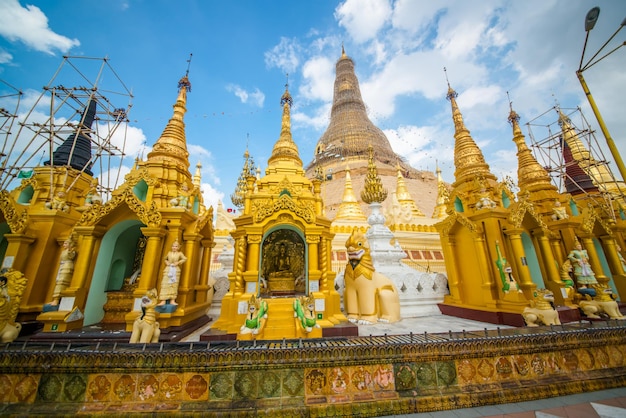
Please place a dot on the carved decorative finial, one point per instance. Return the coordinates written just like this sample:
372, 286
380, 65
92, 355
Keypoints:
286, 97
373, 190
184, 81
513, 116
238, 197
451, 93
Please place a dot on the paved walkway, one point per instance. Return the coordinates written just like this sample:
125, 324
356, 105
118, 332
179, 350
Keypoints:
609, 403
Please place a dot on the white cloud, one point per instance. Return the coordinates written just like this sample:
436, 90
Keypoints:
211, 196
422, 146
29, 25
254, 97
284, 56
5, 57
363, 18
318, 79
318, 120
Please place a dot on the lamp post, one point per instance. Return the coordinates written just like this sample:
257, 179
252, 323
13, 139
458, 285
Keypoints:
590, 21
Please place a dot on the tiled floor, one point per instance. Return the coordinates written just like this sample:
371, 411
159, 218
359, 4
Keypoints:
609, 403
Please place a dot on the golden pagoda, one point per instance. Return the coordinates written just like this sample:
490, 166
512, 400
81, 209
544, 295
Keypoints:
121, 244
282, 251
495, 241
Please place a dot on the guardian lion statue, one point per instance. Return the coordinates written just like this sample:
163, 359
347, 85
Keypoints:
541, 310
12, 285
603, 302
368, 296
146, 328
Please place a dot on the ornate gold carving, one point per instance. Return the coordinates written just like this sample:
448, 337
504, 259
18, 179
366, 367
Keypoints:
149, 216
373, 190
15, 218
264, 208
254, 239
453, 217
312, 239
206, 218
524, 206
285, 184
590, 217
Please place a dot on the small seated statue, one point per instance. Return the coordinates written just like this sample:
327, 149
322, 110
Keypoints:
183, 200
558, 212
58, 203
485, 201
256, 317
93, 197
304, 310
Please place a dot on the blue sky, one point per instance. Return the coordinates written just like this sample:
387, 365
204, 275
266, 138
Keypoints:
242, 51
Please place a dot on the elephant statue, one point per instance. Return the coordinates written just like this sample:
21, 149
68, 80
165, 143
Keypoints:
146, 328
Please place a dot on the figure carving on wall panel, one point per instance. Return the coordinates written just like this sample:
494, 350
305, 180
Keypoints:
171, 275
65, 271
582, 269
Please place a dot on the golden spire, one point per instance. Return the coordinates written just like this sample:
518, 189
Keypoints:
531, 176
285, 149
238, 197
403, 195
172, 145
350, 130
349, 209
373, 190
443, 195
197, 177
468, 159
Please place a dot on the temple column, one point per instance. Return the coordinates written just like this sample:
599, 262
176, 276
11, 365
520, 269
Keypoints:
554, 283
151, 270
448, 248
615, 265
205, 270
485, 270
236, 277
549, 259
88, 237
189, 270
325, 253
314, 268
610, 250
526, 282
251, 275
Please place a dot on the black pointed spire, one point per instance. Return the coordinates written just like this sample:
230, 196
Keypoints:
75, 151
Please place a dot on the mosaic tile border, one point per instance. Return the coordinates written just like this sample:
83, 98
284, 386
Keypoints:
335, 381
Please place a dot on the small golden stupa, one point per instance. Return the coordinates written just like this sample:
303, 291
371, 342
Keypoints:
282, 248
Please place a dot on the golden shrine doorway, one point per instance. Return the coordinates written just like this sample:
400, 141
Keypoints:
283, 271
